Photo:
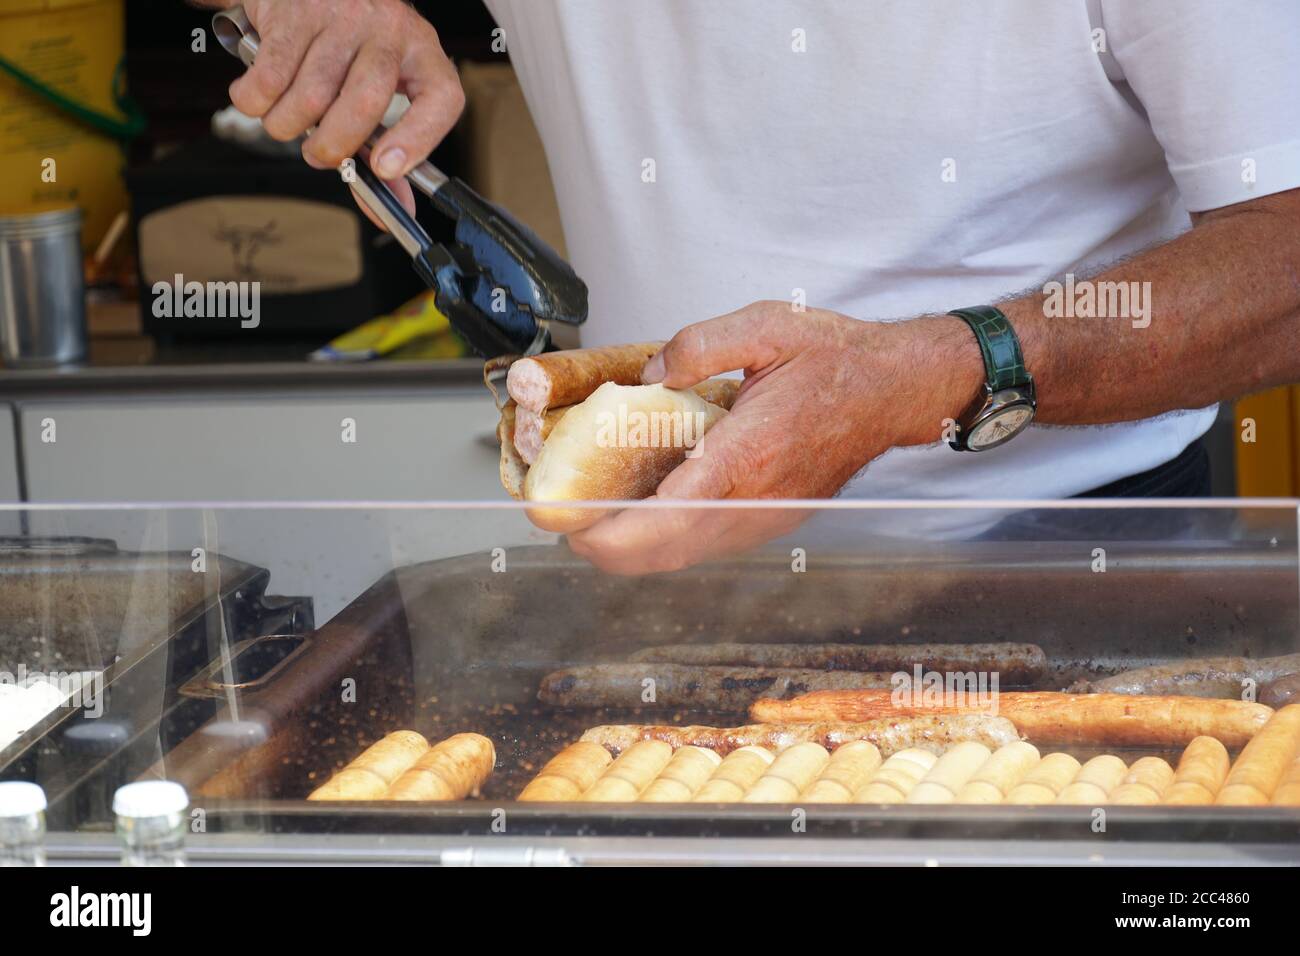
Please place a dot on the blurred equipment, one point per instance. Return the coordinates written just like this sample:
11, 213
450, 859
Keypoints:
498, 283
42, 289
415, 331
214, 213
63, 109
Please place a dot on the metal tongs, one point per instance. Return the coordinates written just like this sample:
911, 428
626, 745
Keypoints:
499, 284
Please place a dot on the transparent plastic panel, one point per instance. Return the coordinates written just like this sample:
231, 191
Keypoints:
254, 653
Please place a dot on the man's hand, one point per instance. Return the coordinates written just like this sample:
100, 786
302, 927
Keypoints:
335, 65
824, 394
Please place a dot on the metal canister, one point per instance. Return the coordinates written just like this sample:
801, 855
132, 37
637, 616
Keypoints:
42, 289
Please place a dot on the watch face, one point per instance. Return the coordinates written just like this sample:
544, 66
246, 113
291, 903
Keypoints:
1001, 426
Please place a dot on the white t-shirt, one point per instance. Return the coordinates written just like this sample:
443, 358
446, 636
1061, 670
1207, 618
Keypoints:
898, 157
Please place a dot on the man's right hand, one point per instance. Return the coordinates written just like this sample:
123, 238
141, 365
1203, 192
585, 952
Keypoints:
335, 65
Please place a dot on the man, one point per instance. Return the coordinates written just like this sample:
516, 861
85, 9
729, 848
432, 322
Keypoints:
883, 159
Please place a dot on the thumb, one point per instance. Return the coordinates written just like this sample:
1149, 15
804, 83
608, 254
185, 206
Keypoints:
740, 340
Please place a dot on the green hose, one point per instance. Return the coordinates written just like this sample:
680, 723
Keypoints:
127, 129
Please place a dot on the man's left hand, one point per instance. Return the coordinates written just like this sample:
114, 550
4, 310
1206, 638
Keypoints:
824, 394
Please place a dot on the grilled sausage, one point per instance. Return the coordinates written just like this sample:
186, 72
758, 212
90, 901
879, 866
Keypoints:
678, 685
1014, 663
1280, 692
1120, 720
1222, 677
563, 378
935, 733
452, 770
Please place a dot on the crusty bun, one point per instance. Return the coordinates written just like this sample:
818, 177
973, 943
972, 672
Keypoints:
618, 445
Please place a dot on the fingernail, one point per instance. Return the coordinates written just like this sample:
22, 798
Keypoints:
392, 163
653, 372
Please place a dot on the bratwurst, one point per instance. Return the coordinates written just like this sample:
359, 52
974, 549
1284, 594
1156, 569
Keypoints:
1223, 677
933, 733
679, 685
1013, 663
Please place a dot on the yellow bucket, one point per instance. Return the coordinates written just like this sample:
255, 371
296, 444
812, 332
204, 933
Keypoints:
48, 158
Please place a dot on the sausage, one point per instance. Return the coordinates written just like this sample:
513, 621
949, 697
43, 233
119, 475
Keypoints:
369, 776
1045, 780
568, 377
679, 685
451, 770
687, 771
1263, 762
1095, 780
533, 428
850, 767
791, 773
1197, 677
1144, 784
1120, 720
953, 770
738, 771
897, 777
631, 773
999, 774
1280, 692
569, 774
932, 732
1014, 663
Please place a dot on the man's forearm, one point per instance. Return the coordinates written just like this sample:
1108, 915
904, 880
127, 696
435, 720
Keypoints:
1224, 303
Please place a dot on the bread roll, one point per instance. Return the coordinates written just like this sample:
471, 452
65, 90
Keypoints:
631, 773
452, 770
369, 776
1263, 762
952, 771
897, 777
790, 774
618, 445
738, 771
851, 766
1201, 772
1144, 784
685, 774
1044, 782
1097, 778
569, 774
1000, 773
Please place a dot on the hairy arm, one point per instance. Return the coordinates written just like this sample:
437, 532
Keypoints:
1224, 322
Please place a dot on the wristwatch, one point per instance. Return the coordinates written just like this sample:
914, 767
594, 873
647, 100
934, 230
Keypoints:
1008, 403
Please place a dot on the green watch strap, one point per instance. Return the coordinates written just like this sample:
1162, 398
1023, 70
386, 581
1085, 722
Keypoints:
1004, 363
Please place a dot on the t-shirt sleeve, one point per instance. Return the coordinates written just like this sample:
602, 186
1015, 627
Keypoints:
1220, 81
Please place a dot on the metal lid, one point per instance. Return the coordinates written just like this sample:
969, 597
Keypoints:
18, 799
151, 798
40, 224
